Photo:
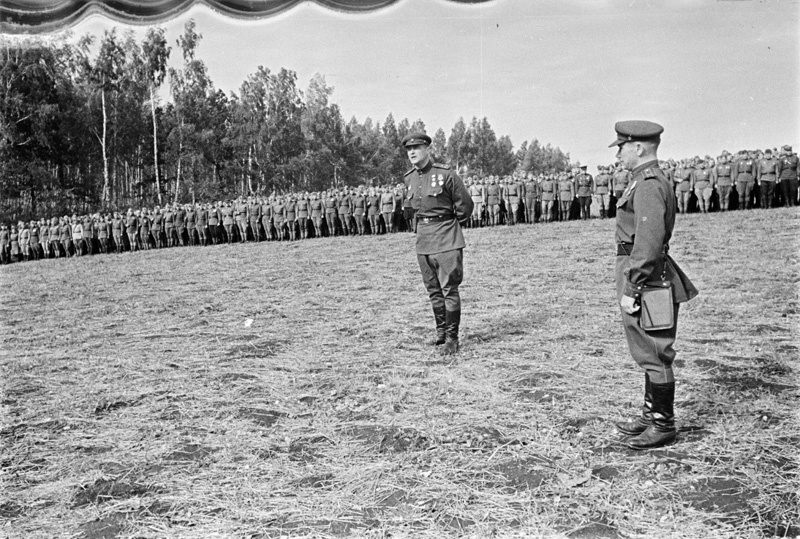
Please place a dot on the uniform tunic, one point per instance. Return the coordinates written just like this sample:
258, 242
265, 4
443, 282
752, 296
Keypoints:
645, 220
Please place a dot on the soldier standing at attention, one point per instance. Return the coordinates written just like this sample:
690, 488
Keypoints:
531, 190
645, 219
359, 210
180, 225
766, 169
191, 222
683, 185
789, 173
493, 202
584, 187
158, 223
722, 177
476, 192
566, 193
331, 203
317, 208
202, 225
743, 171
621, 179
702, 185
548, 188
345, 205
441, 202
602, 183
387, 208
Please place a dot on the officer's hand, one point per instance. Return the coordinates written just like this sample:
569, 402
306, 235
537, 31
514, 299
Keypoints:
628, 305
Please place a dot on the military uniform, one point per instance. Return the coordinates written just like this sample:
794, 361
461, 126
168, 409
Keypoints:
744, 170
766, 169
724, 181
789, 174
645, 220
441, 203
584, 190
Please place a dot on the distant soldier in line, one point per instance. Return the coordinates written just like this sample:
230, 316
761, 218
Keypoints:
442, 203
144, 228
240, 216
317, 209
584, 189
291, 217
476, 192
723, 173
645, 221
789, 174
359, 210
683, 185
157, 226
566, 194
88, 234
303, 212
373, 210
548, 188
169, 225
702, 185
512, 198
345, 211
621, 179
531, 190
279, 216
266, 218
201, 224
254, 217
55, 239
180, 224
387, 209
492, 202
132, 229
4, 244
408, 211
744, 178
227, 213
76, 231
399, 196
331, 204
65, 235
766, 176
602, 187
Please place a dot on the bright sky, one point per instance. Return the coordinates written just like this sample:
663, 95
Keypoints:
716, 74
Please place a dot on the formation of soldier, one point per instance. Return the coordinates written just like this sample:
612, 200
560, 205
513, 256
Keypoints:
765, 178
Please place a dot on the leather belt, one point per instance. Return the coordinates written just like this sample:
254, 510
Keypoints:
625, 249
437, 219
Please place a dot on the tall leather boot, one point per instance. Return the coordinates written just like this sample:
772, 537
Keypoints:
639, 424
440, 316
662, 430
451, 333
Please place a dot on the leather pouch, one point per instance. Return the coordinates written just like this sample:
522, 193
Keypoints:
657, 305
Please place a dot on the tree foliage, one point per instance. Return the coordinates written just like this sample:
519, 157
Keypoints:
82, 128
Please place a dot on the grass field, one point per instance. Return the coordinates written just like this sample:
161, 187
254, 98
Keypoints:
271, 390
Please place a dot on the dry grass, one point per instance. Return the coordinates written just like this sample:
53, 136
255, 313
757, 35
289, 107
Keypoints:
137, 402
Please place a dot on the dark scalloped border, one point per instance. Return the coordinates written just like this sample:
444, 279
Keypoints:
41, 16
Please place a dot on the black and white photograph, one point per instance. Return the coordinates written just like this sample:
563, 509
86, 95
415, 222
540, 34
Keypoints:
399, 269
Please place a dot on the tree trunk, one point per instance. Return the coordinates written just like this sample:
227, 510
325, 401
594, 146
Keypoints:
180, 156
103, 145
155, 142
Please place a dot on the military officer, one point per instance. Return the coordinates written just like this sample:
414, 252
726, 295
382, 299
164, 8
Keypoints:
441, 202
645, 219
702, 183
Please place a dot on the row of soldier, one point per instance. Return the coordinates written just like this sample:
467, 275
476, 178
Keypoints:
768, 177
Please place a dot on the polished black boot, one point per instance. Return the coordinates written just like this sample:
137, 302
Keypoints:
440, 315
451, 333
639, 424
662, 430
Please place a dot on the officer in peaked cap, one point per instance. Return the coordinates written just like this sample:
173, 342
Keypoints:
645, 219
441, 202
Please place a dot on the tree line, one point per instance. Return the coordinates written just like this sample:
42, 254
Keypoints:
83, 128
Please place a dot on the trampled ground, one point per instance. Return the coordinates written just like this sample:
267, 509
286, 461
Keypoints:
269, 390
